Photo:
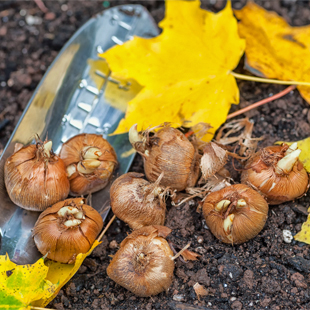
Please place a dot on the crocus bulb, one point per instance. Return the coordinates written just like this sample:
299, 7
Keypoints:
67, 229
277, 173
235, 214
90, 162
144, 263
35, 177
170, 152
138, 202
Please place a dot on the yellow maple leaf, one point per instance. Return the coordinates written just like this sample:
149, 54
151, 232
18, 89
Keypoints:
304, 234
185, 71
274, 49
112, 93
26, 286
60, 274
20, 285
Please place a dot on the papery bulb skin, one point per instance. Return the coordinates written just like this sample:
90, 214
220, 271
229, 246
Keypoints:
213, 160
235, 214
144, 264
277, 174
136, 201
67, 229
170, 152
35, 177
90, 162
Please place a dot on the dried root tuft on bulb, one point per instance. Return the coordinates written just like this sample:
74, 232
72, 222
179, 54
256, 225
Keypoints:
90, 161
169, 151
212, 184
144, 263
235, 214
67, 229
35, 177
277, 173
138, 202
228, 134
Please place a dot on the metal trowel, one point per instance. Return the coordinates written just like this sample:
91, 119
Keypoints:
74, 97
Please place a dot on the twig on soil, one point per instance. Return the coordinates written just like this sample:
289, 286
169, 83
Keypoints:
175, 251
263, 80
178, 254
41, 6
261, 102
107, 227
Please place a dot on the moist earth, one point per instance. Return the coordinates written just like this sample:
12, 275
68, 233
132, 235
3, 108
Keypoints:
264, 273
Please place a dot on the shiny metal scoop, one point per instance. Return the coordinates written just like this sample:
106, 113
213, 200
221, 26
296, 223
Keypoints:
71, 99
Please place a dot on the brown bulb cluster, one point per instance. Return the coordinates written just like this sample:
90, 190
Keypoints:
90, 161
138, 202
235, 214
144, 263
35, 177
167, 151
277, 173
67, 229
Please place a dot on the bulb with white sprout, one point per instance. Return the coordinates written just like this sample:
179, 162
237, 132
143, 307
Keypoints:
277, 173
67, 229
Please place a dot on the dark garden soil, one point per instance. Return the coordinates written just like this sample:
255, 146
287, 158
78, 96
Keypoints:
264, 273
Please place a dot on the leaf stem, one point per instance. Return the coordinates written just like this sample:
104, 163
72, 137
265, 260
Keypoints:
107, 227
39, 308
263, 80
261, 102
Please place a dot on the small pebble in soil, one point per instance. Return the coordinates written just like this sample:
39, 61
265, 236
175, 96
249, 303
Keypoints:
200, 239
113, 244
287, 236
178, 297
33, 20
23, 12
236, 305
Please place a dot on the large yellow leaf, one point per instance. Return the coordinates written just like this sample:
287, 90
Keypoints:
20, 285
274, 49
304, 234
185, 71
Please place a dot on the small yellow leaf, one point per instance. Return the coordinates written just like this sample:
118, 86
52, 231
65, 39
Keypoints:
304, 234
60, 274
185, 71
21, 285
304, 156
274, 49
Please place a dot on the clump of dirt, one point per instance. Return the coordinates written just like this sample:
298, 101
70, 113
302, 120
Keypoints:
265, 272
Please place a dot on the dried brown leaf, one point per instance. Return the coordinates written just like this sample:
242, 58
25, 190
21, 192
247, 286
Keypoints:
200, 290
189, 255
